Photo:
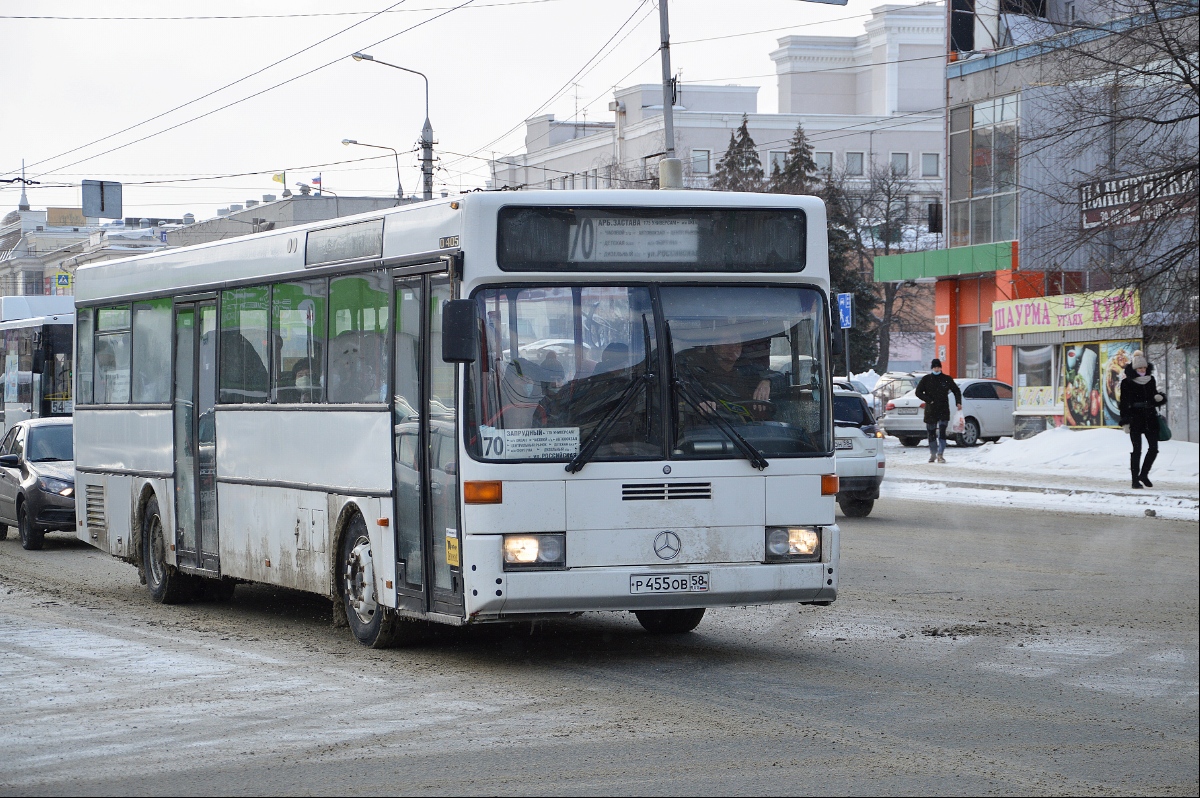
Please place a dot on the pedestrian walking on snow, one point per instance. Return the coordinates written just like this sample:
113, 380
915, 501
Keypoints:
1140, 400
934, 390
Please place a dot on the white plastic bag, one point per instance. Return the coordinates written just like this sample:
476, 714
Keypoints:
958, 424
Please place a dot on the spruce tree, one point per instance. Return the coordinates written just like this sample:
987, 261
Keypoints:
799, 173
846, 277
740, 169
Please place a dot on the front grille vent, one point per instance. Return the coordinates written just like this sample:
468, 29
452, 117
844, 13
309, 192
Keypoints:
95, 508
662, 491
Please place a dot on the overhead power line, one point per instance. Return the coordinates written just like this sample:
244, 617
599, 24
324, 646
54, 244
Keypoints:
209, 94
197, 17
268, 89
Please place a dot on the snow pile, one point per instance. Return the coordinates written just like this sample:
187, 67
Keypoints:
868, 378
1063, 452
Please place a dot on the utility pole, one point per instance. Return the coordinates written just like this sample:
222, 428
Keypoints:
668, 93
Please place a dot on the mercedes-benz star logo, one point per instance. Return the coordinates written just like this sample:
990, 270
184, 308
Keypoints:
667, 545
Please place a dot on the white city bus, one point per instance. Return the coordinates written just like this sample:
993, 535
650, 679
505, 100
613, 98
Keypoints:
36, 344
499, 407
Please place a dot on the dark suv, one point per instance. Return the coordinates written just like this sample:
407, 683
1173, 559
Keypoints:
37, 479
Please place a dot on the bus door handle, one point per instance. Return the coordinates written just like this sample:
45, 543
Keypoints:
435, 487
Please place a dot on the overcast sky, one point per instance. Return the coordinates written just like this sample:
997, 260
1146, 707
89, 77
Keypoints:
79, 86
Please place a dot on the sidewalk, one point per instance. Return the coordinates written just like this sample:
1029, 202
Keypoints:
1061, 470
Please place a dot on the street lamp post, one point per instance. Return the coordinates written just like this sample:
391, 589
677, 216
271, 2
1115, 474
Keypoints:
426, 130
399, 188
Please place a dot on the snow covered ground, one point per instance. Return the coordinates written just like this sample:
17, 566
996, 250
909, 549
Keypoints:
1075, 471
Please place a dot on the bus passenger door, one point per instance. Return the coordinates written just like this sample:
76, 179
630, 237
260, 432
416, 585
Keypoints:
195, 436
425, 451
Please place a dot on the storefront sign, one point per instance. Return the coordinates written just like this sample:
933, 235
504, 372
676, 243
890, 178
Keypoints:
1129, 200
1097, 310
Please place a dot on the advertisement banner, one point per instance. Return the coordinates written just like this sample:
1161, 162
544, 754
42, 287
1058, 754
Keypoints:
1095, 310
1091, 381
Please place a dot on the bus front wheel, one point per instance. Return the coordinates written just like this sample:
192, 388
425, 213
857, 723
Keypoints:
370, 622
167, 584
669, 622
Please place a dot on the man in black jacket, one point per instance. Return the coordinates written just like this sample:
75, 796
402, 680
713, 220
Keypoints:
934, 390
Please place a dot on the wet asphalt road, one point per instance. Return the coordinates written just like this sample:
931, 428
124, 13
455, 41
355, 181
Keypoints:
972, 651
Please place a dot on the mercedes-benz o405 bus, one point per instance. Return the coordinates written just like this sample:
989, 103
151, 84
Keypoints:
500, 407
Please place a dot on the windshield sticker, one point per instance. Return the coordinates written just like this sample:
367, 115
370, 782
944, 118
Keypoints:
529, 444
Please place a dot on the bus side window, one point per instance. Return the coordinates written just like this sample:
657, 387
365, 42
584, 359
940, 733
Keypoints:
83, 328
358, 324
244, 353
151, 352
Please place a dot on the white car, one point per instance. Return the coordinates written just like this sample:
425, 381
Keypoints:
987, 407
858, 452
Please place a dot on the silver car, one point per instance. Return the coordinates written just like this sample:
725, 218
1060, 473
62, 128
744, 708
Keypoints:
987, 408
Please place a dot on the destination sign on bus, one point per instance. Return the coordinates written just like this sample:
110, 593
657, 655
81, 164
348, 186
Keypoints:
609, 240
538, 443
750, 240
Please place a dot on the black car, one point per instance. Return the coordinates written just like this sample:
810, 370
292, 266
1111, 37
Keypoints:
37, 479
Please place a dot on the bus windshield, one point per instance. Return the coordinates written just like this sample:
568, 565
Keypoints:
740, 372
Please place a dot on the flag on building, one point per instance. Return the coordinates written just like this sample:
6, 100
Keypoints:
280, 177
317, 180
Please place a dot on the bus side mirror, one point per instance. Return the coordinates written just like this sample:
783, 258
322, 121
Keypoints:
39, 361
459, 333
835, 341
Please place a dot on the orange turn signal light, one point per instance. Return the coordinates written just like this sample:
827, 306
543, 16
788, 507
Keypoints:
829, 484
483, 492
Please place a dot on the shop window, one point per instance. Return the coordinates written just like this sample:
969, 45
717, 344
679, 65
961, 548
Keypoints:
1035, 377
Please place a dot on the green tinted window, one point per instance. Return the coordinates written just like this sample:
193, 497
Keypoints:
245, 349
358, 319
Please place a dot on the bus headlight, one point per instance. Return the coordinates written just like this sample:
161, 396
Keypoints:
535, 552
793, 543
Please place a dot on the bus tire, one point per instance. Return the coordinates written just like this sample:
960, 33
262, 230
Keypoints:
167, 585
669, 622
372, 624
31, 539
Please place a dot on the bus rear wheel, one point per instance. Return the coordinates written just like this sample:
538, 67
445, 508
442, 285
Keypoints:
669, 622
167, 584
370, 622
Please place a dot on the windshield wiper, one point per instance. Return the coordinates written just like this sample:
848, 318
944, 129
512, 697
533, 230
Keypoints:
749, 451
588, 450
51, 460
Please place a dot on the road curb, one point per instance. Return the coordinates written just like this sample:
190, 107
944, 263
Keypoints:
1040, 488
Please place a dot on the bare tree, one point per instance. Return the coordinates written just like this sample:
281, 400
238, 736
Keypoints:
1111, 140
883, 222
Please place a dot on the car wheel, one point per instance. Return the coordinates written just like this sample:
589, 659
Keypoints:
31, 539
856, 508
970, 434
669, 622
166, 583
910, 441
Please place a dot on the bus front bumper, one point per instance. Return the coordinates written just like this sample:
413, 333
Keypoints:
613, 588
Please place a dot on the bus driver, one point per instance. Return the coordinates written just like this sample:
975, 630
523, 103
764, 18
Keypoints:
717, 373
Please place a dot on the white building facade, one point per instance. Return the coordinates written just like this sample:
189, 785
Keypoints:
877, 98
